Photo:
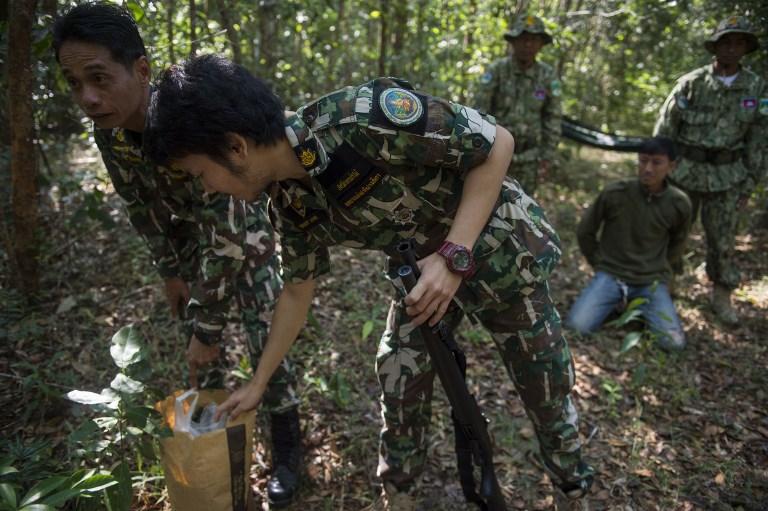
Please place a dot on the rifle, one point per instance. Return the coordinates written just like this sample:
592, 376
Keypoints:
469, 423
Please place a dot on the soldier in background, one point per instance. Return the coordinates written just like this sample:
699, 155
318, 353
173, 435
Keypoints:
524, 96
223, 246
718, 117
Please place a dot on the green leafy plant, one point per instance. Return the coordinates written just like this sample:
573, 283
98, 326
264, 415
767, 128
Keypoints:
50, 493
126, 422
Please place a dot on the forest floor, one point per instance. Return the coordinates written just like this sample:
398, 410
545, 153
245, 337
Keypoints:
674, 432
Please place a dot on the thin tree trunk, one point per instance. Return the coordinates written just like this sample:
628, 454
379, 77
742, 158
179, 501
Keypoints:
192, 28
267, 38
226, 21
24, 191
383, 39
169, 15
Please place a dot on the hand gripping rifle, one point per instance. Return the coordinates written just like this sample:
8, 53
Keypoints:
471, 431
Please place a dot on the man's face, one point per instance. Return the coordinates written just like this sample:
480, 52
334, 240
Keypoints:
730, 48
526, 46
215, 177
108, 92
652, 169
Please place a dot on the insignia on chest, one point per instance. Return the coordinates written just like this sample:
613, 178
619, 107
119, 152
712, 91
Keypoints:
540, 94
350, 177
749, 103
307, 157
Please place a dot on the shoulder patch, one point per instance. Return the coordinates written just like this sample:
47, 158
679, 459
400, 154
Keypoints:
556, 87
486, 78
749, 103
400, 106
681, 101
763, 109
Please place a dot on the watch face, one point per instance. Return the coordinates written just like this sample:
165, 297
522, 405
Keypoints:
461, 260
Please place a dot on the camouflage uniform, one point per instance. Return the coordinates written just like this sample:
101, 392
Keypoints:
527, 103
375, 182
226, 247
721, 133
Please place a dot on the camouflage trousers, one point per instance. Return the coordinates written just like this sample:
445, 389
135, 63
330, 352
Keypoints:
526, 173
719, 218
256, 290
526, 329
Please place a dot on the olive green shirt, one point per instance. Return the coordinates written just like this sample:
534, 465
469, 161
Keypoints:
634, 235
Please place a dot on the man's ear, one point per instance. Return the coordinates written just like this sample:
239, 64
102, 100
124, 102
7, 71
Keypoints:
141, 68
238, 146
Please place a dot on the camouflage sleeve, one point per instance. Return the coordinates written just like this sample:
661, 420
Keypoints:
445, 134
551, 119
303, 258
589, 226
756, 148
487, 87
146, 211
668, 122
234, 234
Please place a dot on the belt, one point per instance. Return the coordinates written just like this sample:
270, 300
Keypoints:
715, 156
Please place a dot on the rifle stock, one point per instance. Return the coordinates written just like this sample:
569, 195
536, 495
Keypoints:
467, 416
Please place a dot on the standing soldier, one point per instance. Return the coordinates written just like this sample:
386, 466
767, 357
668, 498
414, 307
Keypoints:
524, 96
223, 246
718, 116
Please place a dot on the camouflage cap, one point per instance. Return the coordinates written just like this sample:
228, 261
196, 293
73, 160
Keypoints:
530, 24
732, 25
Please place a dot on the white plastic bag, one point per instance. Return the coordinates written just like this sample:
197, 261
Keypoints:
205, 424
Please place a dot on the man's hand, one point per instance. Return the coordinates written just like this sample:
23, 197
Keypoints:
199, 355
430, 298
177, 292
543, 170
244, 399
741, 202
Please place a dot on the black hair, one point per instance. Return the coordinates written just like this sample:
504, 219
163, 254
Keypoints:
659, 145
104, 24
196, 103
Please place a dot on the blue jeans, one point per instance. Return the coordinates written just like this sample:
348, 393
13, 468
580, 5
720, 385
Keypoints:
606, 293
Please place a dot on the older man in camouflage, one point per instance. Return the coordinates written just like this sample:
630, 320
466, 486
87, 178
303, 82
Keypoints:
224, 247
718, 116
523, 94
367, 167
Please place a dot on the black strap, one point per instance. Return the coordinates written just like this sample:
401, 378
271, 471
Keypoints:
462, 443
236, 445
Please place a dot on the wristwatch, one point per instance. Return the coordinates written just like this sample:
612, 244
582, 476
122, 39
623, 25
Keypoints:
458, 258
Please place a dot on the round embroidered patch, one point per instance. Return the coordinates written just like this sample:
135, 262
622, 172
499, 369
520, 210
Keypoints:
486, 78
400, 106
682, 102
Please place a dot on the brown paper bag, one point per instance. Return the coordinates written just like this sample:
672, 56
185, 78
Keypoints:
209, 472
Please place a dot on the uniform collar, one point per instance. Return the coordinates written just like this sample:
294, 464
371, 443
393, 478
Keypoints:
738, 83
308, 149
531, 71
651, 196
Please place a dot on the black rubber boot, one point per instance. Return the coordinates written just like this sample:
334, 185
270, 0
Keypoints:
286, 458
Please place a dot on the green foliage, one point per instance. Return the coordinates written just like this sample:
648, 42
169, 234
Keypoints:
126, 424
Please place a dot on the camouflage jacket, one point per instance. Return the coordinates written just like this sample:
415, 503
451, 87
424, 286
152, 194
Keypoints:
182, 225
703, 112
527, 103
374, 183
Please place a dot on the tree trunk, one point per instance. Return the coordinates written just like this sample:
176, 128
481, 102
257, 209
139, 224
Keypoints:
267, 38
226, 21
192, 28
24, 191
169, 15
383, 39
